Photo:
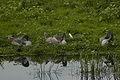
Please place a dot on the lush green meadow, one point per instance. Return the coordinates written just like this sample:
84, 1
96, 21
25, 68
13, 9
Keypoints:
88, 18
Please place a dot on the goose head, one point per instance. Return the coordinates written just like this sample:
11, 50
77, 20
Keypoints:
110, 35
25, 37
64, 36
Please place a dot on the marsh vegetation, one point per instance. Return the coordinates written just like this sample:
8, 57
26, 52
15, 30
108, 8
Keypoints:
49, 67
86, 20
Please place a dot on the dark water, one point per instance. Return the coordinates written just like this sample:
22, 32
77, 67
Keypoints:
59, 69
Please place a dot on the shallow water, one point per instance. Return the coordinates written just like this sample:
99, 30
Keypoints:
101, 69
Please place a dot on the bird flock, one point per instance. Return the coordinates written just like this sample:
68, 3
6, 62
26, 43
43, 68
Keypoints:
23, 40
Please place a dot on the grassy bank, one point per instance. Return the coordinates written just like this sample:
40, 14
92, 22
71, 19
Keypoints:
89, 18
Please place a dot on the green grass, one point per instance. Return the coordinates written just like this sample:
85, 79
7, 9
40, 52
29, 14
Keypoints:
34, 17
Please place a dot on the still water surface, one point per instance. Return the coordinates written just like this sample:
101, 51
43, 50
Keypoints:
101, 69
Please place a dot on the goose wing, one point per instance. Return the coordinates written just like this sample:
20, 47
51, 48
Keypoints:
52, 40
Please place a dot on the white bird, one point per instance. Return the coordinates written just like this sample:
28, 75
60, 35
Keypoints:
70, 35
108, 38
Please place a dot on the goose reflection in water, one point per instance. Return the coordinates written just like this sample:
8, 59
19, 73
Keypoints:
22, 60
60, 60
108, 38
75, 70
108, 60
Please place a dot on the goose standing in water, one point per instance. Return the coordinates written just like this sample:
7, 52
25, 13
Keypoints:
56, 39
107, 39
